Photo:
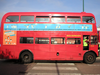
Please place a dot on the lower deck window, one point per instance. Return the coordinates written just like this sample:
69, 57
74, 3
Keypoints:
57, 40
94, 40
42, 40
28, 40
73, 41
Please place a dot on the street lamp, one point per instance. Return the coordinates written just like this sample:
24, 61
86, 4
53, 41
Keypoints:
83, 5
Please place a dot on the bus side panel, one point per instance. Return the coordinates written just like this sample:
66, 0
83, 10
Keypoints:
99, 36
0, 42
74, 52
58, 52
41, 51
8, 52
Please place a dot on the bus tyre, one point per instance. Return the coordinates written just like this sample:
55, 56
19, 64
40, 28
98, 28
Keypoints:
89, 58
26, 57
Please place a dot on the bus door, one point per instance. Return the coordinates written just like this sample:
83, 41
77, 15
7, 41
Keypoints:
74, 48
86, 42
57, 48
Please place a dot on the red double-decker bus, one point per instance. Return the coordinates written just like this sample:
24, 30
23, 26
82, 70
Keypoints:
32, 36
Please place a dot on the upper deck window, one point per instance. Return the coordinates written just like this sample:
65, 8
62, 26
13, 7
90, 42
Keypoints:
87, 19
42, 19
12, 19
58, 19
74, 19
27, 18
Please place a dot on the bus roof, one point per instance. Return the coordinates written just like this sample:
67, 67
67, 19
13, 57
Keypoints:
70, 13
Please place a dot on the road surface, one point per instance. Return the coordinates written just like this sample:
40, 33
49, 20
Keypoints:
13, 67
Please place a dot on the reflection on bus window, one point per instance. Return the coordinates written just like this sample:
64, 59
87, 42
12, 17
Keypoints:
42, 19
41, 40
27, 18
12, 19
94, 40
74, 19
57, 40
73, 41
28, 40
58, 19
87, 19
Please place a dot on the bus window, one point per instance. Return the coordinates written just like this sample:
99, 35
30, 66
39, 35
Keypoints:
42, 19
73, 41
41, 40
87, 19
28, 40
94, 40
57, 40
27, 18
74, 19
12, 19
58, 19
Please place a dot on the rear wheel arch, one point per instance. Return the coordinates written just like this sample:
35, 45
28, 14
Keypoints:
91, 52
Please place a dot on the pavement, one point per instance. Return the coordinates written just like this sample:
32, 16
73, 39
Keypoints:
98, 58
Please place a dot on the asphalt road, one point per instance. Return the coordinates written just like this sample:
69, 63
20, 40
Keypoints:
13, 67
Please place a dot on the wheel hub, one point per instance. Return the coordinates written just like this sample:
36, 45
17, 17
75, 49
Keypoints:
26, 57
90, 58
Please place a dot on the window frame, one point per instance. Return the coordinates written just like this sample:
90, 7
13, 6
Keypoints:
88, 16
74, 38
95, 42
42, 15
42, 18
12, 15
40, 38
57, 43
58, 16
26, 15
74, 16
26, 37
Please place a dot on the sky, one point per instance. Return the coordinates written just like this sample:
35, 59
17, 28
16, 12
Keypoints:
90, 6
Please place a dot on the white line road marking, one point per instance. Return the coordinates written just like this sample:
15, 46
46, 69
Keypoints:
55, 64
93, 65
65, 64
45, 63
98, 58
54, 68
53, 74
91, 74
59, 74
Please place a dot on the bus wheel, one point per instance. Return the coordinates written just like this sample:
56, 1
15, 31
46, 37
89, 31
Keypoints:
89, 58
26, 57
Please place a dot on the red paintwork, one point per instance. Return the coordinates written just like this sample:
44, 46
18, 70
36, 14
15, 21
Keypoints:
98, 36
47, 51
